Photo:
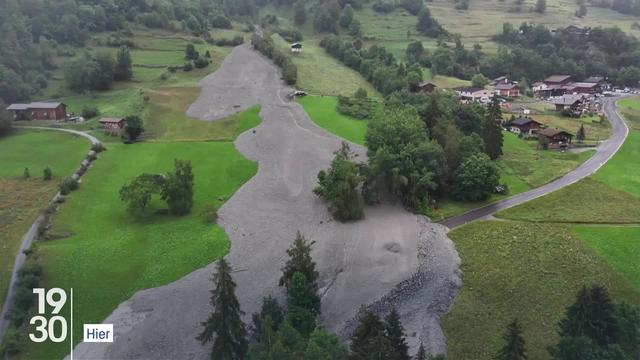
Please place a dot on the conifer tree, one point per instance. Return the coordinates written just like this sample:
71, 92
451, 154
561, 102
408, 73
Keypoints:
368, 341
592, 315
304, 305
581, 135
493, 137
422, 354
225, 323
396, 336
300, 261
513, 348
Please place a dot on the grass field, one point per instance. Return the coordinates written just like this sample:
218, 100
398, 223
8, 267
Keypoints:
322, 110
478, 24
106, 255
166, 118
618, 245
592, 127
22, 200
583, 202
525, 271
321, 74
38, 149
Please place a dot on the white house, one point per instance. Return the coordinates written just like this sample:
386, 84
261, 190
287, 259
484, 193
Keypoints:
473, 94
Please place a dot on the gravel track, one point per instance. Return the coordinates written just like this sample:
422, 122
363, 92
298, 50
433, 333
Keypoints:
391, 257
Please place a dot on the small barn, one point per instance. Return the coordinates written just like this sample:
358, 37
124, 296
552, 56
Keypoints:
296, 48
568, 102
112, 126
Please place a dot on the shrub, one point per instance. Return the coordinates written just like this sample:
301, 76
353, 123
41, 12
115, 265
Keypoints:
25, 173
187, 66
357, 107
89, 112
221, 22
209, 214
68, 185
10, 342
201, 62
28, 277
98, 147
384, 6
47, 174
238, 40
290, 35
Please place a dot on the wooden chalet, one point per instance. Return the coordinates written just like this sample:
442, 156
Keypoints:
525, 126
556, 138
508, 90
39, 111
573, 103
427, 87
112, 126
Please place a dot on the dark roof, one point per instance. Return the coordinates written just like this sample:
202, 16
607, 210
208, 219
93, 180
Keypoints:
110, 120
423, 84
594, 79
505, 86
470, 89
584, 84
296, 45
551, 132
557, 78
35, 105
523, 121
566, 100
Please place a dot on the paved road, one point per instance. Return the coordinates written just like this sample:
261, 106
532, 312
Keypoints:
604, 152
28, 238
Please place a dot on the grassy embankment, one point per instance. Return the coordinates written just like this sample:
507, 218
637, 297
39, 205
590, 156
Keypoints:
530, 266
21, 200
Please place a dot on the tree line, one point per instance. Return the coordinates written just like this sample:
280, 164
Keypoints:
267, 47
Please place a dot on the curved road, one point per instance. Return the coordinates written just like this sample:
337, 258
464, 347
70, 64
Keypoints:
604, 152
29, 236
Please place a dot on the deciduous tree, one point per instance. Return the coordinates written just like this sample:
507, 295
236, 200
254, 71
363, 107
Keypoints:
177, 190
475, 179
123, 68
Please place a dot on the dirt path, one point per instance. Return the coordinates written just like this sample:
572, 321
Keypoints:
390, 257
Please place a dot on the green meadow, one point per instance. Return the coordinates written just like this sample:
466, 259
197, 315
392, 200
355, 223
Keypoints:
101, 243
525, 271
322, 110
21, 200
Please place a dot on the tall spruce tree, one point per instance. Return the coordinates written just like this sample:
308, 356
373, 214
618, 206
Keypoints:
493, 137
225, 323
300, 261
422, 354
581, 134
513, 348
396, 336
368, 341
303, 305
592, 315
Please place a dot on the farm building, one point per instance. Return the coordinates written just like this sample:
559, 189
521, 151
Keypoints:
427, 87
39, 111
112, 126
508, 90
296, 48
557, 80
556, 138
525, 126
585, 88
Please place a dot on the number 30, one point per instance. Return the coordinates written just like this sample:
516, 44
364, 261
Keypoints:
48, 332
